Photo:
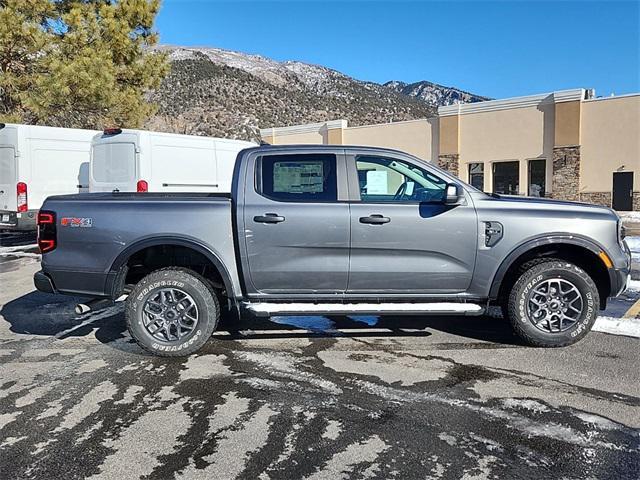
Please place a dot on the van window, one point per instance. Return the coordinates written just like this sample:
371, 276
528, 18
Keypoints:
114, 162
298, 178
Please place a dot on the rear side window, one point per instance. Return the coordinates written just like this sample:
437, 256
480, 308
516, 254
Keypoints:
114, 162
298, 178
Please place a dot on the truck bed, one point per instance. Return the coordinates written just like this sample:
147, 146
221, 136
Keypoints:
139, 197
96, 230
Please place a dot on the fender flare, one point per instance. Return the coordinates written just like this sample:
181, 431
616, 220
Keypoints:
553, 239
185, 241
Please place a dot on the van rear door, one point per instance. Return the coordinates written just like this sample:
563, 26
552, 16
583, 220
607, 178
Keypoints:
8, 172
113, 165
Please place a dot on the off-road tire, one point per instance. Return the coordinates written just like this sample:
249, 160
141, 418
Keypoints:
537, 272
503, 301
185, 280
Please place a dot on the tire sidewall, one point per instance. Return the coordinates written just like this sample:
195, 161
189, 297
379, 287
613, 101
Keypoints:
534, 277
206, 303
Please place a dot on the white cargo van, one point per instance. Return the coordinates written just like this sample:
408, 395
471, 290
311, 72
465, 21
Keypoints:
37, 162
142, 161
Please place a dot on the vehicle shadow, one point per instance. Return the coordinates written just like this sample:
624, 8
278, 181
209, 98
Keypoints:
481, 329
48, 315
43, 314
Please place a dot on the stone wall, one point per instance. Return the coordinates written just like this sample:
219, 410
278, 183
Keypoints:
566, 172
450, 163
597, 198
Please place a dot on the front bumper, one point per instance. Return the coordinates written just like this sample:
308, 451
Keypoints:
621, 277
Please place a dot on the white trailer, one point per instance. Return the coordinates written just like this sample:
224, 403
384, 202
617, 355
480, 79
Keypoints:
142, 161
35, 163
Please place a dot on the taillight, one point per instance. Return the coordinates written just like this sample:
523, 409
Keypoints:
21, 191
142, 186
46, 231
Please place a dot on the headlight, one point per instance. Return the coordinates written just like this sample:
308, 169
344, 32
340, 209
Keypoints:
622, 231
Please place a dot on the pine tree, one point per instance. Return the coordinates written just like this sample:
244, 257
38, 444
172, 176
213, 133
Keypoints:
82, 63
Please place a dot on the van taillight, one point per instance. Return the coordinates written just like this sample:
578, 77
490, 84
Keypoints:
21, 191
142, 186
46, 231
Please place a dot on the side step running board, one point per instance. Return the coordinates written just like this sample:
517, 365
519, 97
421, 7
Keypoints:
268, 308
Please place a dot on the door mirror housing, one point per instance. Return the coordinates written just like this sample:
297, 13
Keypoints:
452, 194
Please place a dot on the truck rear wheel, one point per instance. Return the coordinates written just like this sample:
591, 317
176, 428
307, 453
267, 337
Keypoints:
552, 304
172, 312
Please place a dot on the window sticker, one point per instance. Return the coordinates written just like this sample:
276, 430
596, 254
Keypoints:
298, 177
377, 182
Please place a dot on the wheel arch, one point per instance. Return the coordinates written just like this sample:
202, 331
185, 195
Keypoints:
118, 270
571, 247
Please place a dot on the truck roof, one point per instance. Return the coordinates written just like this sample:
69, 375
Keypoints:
316, 147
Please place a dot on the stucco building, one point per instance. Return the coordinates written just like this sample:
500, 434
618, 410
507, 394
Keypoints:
563, 144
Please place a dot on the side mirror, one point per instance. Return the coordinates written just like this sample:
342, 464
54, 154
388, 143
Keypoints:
452, 194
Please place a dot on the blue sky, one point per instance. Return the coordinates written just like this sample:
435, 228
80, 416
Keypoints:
498, 49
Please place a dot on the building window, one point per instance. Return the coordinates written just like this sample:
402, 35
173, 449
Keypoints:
537, 177
476, 175
506, 178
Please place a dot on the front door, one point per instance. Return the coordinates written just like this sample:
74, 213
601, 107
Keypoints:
404, 239
296, 229
622, 191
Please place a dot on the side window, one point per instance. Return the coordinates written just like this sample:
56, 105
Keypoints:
298, 178
390, 180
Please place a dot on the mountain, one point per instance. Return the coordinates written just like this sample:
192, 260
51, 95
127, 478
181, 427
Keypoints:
433, 93
216, 92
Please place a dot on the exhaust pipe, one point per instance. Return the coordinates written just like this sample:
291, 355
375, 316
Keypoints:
92, 305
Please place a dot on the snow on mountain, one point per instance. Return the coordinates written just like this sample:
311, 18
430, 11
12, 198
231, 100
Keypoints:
211, 91
433, 93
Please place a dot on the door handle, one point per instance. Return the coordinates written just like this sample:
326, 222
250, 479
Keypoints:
375, 219
268, 218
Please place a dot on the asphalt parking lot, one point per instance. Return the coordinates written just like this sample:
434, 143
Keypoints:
308, 397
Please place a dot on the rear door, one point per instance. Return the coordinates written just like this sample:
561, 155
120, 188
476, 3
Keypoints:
56, 167
114, 164
296, 223
404, 239
8, 170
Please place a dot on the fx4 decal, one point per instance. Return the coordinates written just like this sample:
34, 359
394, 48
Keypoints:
76, 222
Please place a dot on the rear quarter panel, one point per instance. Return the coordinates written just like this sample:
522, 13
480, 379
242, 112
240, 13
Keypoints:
119, 222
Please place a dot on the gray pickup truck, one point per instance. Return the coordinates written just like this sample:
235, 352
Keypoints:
333, 230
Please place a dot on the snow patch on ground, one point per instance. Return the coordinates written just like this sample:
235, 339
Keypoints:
629, 215
629, 327
634, 245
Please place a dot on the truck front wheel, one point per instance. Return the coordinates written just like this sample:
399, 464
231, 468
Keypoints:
552, 304
172, 312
